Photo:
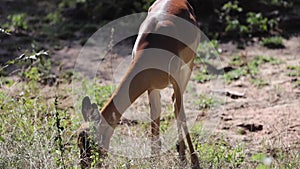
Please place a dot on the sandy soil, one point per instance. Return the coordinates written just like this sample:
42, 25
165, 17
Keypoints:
268, 115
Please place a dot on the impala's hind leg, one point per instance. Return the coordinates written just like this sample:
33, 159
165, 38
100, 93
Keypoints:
177, 108
179, 89
155, 111
193, 154
181, 123
184, 78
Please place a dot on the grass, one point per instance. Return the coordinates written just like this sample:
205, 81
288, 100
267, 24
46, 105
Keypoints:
259, 82
216, 152
242, 68
273, 42
235, 74
296, 83
38, 135
203, 76
206, 102
249, 69
208, 50
38, 129
294, 71
237, 60
34, 132
166, 122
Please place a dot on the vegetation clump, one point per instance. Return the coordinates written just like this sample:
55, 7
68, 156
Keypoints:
273, 42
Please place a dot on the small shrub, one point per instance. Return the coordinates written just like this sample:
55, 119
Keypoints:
279, 3
241, 24
230, 15
273, 42
206, 102
18, 21
258, 23
54, 17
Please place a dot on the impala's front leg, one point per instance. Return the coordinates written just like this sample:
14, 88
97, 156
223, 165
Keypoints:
155, 111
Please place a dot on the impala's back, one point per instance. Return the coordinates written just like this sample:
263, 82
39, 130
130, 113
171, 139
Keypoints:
170, 29
162, 19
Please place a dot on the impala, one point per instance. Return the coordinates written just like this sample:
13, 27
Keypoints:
163, 55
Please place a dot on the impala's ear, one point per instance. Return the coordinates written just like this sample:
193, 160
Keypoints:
95, 114
86, 108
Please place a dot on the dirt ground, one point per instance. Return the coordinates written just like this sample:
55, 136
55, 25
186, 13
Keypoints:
265, 117
268, 115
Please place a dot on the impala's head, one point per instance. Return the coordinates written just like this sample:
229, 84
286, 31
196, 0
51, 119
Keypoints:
94, 134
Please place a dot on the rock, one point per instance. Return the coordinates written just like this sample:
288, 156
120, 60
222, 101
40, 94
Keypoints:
251, 127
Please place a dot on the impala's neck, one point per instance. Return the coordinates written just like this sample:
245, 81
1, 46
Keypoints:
131, 87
